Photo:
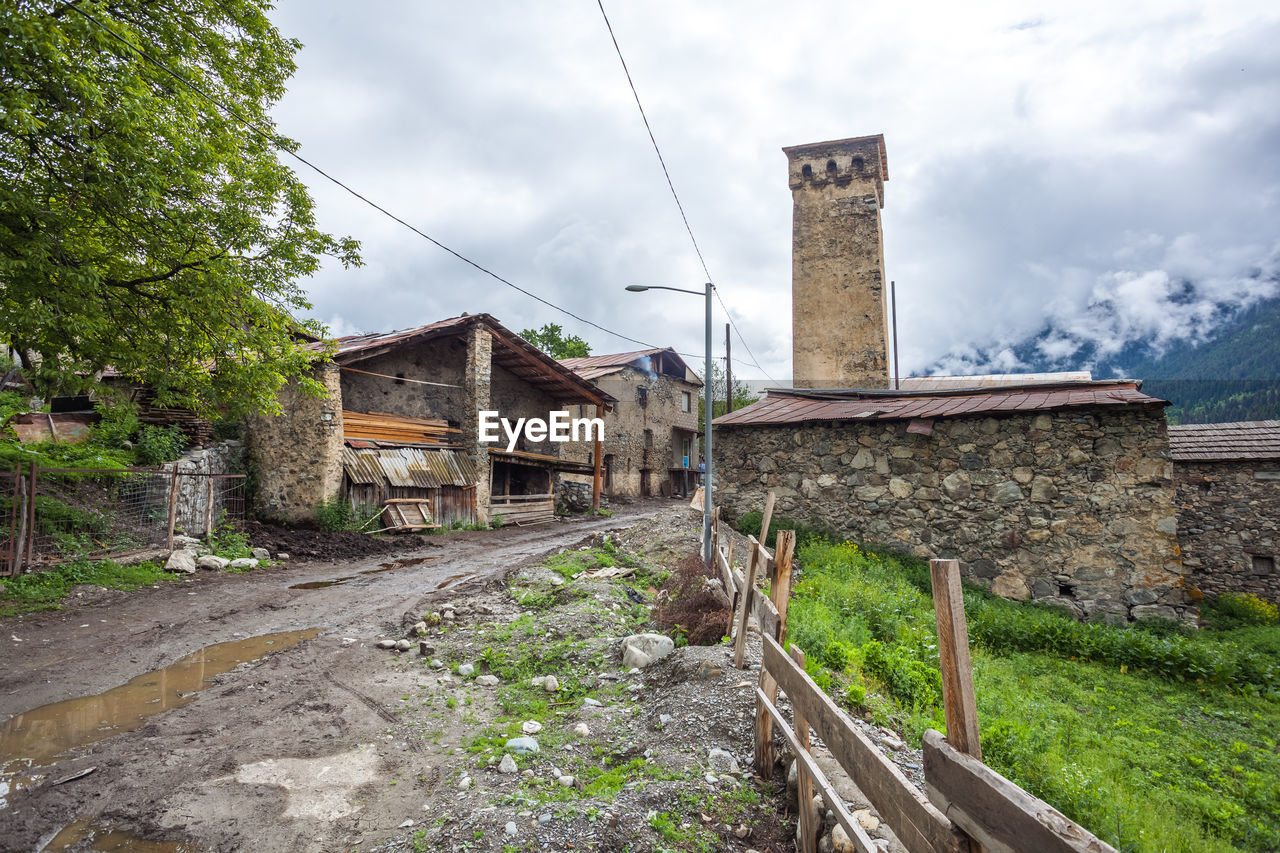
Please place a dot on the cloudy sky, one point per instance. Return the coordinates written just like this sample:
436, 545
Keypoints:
1109, 169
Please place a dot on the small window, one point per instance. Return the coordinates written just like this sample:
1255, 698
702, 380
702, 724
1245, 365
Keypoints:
648, 439
642, 396
686, 401
1264, 565
807, 171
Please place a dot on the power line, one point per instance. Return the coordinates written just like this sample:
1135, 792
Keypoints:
276, 143
697, 250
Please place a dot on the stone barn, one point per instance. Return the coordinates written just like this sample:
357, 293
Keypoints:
400, 420
1044, 487
1228, 480
651, 433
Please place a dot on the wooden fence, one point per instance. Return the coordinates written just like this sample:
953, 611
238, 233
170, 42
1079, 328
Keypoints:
966, 807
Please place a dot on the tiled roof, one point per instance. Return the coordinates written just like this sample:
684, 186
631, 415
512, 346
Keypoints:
797, 405
1239, 440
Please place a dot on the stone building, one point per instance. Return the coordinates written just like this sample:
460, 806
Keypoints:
1055, 488
651, 433
1061, 493
444, 372
1228, 481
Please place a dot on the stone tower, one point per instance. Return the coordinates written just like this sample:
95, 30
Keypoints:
838, 305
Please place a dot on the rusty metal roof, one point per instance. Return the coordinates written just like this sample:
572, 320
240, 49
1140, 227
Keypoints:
595, 366
1224, 442
408, 466
509, 351
798, 405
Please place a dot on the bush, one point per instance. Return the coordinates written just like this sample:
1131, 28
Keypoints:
749, 525
496, 521
334, 514
688, 605
159, 444
1239, 609
118, 424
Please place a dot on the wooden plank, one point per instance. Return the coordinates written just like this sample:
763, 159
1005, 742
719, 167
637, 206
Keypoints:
919, 825
809, 768
958, 700
779, 596
804, 782
997, 813
748, 590
767, 519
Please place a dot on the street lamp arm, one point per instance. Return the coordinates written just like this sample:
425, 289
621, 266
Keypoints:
641, 288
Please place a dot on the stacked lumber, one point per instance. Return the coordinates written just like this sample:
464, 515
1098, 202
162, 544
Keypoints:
198, 430
398, 429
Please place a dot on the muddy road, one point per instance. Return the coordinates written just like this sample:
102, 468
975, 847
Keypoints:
230, 712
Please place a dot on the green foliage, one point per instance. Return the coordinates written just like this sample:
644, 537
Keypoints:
749, 525
743, 396
46, 590
143, 227
118, 423
159, 444
552, 340
62, 455
1152, 737
496, 522
226, 541
1238, 609
12, 403
334, 514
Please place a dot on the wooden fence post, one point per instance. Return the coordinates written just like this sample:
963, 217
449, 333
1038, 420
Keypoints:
959, 702
744, 601
173, 506
767, 519
780, 595
31, 514
208, 509
804, 785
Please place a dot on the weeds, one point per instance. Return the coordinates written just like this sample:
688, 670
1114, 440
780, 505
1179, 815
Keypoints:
45, 590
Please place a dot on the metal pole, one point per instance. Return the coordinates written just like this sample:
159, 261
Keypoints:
893, 298
728, 372
706, 445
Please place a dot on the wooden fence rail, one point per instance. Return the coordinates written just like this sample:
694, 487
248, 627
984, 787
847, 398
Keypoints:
967, 806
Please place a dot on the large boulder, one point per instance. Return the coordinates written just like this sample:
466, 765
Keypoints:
640, 650
211, 561
181, 560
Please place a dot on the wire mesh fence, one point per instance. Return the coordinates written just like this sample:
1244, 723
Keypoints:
50, 516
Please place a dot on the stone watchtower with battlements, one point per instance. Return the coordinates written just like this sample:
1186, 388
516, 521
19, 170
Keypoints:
838, 302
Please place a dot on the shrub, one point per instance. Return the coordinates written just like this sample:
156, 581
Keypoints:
690, 606
915, 683
334, 514
1242, 609
496, 521
159, 444
749, 525
118, 423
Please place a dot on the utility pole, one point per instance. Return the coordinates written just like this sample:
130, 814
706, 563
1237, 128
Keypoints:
728, 372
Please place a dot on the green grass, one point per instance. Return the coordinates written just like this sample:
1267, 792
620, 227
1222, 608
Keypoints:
1154, 738
46, 590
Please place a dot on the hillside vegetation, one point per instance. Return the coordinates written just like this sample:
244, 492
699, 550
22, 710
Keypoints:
1155, 738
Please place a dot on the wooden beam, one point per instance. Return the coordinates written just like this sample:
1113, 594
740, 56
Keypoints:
767, 519
958, 699
599, 456
810, 769
804, 782
919, 825
748, 588
997, 813
779, 596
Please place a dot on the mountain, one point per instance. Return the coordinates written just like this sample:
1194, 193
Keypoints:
1230, 374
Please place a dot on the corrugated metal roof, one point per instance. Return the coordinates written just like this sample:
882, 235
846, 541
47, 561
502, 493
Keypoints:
408, 466
991, 380
595, 366
1224, 442
796, 406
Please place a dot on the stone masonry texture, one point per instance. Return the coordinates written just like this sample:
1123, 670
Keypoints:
1070, 508
838, 288
297, 456
1228, 520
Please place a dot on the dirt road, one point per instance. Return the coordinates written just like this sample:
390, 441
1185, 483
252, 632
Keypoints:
310, 717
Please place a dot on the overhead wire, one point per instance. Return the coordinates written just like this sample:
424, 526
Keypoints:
279, 146
671, 185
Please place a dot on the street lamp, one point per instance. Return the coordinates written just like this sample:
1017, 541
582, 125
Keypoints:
706, 396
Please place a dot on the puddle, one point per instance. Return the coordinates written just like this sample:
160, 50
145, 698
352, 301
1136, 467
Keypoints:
384, 567
452, 579
103, 840
37, 736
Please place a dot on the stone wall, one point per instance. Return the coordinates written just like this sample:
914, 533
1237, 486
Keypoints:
192, 509
442, 360
297, 456
1229, 525
477, 378
1073, 508
624, 432
513, 398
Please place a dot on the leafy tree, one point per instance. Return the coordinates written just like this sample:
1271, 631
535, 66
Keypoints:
743, 396
141, 226
552, 340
